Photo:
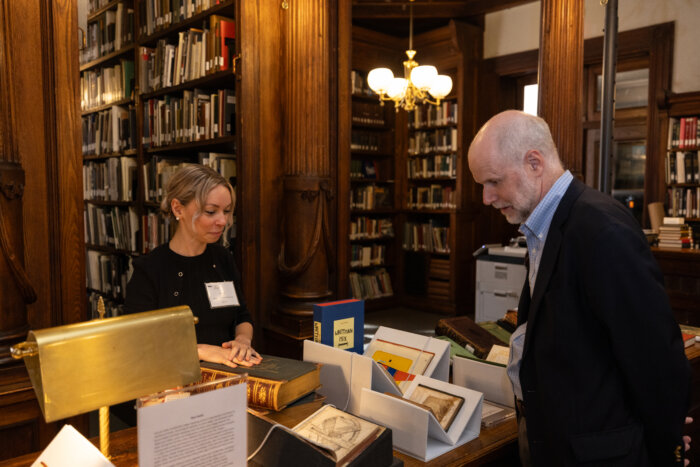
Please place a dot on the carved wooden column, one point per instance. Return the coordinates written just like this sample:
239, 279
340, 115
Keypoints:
560, 77
306, 251
15, 289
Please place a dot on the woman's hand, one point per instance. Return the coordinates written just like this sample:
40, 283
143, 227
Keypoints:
241, 353
215, 354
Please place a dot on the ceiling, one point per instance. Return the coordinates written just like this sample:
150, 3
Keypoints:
391, 16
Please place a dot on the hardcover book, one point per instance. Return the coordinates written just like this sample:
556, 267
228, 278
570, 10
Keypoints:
340, 324
343, 436
272, 384
467, 333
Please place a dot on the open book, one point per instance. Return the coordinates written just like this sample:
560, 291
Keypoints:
341, 435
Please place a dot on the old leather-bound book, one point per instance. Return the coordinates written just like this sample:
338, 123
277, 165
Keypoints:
272, 384
468, 334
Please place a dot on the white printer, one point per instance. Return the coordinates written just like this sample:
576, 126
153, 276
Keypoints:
500, 275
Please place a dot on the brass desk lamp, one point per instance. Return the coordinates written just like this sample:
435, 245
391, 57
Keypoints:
81, 367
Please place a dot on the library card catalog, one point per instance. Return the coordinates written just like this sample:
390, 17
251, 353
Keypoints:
221, 294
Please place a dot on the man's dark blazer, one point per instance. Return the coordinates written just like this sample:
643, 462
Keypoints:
604, 375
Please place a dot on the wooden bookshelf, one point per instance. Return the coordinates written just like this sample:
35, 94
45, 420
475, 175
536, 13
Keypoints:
138, 213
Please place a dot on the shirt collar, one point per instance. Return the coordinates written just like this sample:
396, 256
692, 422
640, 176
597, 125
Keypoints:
537, 224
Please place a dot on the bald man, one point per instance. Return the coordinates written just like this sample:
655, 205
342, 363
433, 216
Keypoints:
597, 361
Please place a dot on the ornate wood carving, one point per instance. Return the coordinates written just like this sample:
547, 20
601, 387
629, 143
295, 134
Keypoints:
306, 98
561, 77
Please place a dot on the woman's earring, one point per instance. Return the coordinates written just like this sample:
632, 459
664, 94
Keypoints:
177, 219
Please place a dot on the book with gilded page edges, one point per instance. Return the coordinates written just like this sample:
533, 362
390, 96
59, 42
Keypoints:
272, 384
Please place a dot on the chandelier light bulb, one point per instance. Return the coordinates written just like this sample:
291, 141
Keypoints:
423, 76
441, 86
380, 79
397, 88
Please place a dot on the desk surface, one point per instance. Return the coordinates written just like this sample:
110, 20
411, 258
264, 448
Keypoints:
494, 443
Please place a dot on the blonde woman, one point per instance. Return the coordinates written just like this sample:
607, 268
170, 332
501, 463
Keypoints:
195, 269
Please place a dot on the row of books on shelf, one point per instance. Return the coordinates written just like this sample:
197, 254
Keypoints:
438, 165
198, 52
113, 179
683, 202
196, 116
158, 170
367, 113
439, 140
156, 229
371, 197
113, 227
364, 169
683, 133
157, 15
447, 113
364, 227
432, 197
358, 84
109, 32
106, 85
108, 273
365, 141
426, 236
683, 167
110, 131
367, 255
372, 284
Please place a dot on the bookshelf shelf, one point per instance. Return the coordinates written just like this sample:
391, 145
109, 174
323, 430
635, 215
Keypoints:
213, 81
107, 58
107, 106
370, 180
102, 202
128, 153
367, 98
431, 179
372, 154
109, 249
201, 144
372, 239
226, 8
95, 14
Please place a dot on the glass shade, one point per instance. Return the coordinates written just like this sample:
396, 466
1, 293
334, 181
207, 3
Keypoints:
442, 85
423, 76
397, 88
379, 79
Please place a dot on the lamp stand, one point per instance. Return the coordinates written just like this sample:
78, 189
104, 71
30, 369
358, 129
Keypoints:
104, 431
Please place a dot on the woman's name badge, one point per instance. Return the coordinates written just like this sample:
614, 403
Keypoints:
221, 294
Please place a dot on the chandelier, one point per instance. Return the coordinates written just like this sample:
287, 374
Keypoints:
416, 87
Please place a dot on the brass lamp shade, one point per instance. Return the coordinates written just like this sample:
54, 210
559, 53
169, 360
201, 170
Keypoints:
80, 367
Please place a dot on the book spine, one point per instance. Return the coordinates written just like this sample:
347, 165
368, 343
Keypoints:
461, 340
261, 393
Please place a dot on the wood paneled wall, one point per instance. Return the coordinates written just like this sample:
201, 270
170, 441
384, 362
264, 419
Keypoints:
41, 137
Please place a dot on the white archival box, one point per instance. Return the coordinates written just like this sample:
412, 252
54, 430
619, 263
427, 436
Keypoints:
415, 430
490, 379
344, 374
439, 367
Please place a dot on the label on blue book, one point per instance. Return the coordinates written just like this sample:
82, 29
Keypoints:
340, 324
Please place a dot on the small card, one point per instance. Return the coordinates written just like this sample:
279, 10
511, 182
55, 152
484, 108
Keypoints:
221, 294
70, 448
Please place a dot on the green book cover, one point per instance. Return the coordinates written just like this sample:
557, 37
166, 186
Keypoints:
271, 367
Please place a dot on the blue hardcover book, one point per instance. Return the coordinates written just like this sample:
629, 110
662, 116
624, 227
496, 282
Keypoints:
340, 324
